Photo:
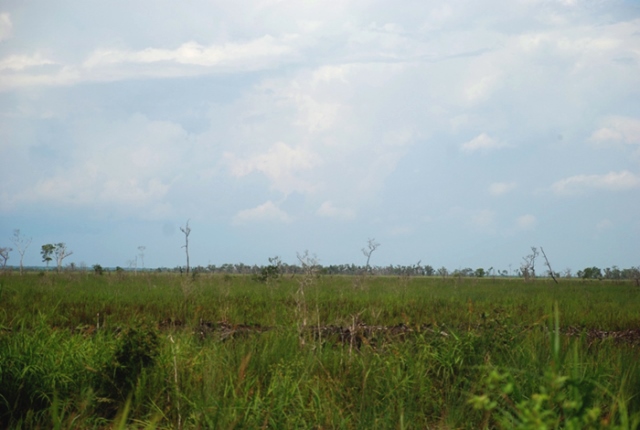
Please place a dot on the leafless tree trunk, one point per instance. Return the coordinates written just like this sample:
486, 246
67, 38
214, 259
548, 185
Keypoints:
141, 249
4, 254
133, 264
309, 264
546, 260
528, 267
21, 244
186, 230
372, 245
61, 253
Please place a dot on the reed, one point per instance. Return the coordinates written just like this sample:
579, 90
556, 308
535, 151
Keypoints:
161, 351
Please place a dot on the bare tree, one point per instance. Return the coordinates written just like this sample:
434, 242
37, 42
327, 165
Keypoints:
4, 254
141, 249
133, 264
21, 243
546, 260
309, 265
528, 266
186, 230
372, 245
61, 252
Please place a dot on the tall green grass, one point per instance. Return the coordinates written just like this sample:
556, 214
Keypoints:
124, 351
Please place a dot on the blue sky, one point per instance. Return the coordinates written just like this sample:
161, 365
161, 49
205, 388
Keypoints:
458, 133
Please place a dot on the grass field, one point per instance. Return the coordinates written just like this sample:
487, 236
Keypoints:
79, 350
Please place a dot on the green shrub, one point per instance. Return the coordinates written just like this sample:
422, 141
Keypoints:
136, 350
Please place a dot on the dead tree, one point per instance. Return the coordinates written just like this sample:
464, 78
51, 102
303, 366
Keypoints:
4, 254
186, 230
528, 266
141, 249
546, 260
21, 244
372, 245
61, 253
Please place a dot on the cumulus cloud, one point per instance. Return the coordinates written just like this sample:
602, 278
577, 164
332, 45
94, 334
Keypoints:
604, 224
187, 60
483, 218
401, 230
346, 109
267, 211
281, 164
618, 129
612, 181
125, 167
526, 222
327, 209
482, 142
5, 26
21, 62
254, 53
501, 188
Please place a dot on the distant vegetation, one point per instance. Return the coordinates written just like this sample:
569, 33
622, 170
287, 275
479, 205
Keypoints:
301, 348
610, 273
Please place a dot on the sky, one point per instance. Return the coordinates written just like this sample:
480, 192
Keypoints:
455, 133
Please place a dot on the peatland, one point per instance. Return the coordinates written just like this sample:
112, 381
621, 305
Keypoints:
157, 350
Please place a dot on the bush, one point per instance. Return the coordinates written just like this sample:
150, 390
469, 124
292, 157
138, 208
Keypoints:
136, 349
269, 273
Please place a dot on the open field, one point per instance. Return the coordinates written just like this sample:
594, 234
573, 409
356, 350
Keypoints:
79, 350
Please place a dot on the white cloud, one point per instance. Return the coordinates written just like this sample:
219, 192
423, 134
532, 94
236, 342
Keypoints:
255, 53
618, 129
612, 181
281, 164
349, 109
82, 188
483, 218
20, 62
318, 116
501, 188
123, 167
480, 88
401, 230
327, 209
5, 26
267, 211
482, 142
187, 60
604, 224
526, 222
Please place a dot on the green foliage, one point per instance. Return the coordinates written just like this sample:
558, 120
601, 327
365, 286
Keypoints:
37, 364
47, 253
270, 273
590, 273
559, 401
136, 349
118, 351
97, 269
556, 400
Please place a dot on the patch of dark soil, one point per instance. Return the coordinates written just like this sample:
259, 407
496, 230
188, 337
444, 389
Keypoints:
224, 330
359, 334
170, 323
631, 336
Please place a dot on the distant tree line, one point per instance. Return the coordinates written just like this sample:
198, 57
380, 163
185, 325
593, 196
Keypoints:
268, 270
612, 273
58, 252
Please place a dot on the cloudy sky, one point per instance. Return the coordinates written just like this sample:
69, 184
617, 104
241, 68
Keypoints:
459, 133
